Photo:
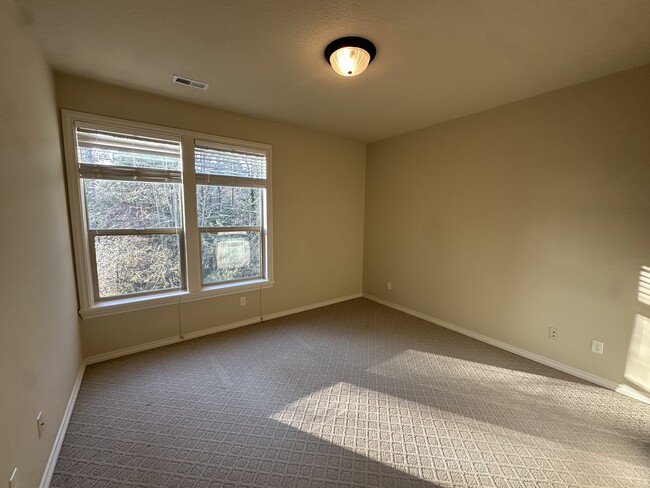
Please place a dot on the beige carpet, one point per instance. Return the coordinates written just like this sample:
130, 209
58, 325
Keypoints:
354, 394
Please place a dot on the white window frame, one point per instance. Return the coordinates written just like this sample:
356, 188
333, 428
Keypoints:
194, 289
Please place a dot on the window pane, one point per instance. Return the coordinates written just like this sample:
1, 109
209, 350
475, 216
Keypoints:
229, 256
137, 263
229, 163
114, 204
228, 206
113, 149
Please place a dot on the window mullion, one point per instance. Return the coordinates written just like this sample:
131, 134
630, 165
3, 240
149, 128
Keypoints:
246, 228
105, 172
134, 232
192, 239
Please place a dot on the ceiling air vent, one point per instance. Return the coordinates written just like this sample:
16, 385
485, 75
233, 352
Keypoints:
181, 80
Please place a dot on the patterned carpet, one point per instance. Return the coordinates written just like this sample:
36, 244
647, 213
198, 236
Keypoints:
351, 395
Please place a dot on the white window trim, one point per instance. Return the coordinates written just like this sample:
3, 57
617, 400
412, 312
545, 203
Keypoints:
88, 307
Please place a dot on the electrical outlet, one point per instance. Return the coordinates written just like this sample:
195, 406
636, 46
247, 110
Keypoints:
597, 346
242, 301
13, 480
40, 424
553, 333
389, 286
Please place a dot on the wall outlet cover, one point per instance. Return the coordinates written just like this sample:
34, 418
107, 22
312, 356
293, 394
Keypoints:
597, 347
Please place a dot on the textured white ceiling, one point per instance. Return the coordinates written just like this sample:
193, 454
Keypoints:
436, 60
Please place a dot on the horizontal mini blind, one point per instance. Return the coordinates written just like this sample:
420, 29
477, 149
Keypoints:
215, 164
111, 142
111, 155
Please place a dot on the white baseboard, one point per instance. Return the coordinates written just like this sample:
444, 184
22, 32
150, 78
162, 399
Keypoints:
619, 388
631, 392
270, 316
275, 315
213, 330
63, 427
220, 328
131, 350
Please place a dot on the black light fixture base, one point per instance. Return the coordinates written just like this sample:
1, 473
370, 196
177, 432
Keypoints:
351, 41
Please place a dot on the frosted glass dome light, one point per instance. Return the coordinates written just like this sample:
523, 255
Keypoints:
350, 56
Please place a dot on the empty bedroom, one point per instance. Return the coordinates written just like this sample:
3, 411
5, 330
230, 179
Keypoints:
297, 243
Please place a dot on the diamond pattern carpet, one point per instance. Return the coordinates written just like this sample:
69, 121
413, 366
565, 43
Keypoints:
350, 395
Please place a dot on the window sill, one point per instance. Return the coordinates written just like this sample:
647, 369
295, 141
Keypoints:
113, 307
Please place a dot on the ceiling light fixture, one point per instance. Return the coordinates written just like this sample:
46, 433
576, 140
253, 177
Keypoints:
350, 56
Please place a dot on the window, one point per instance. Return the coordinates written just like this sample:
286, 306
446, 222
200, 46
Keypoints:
231, 198
131, 187
138, 243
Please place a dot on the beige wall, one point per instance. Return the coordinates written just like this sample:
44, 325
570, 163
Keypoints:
318, 199
40, 351
531, 215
